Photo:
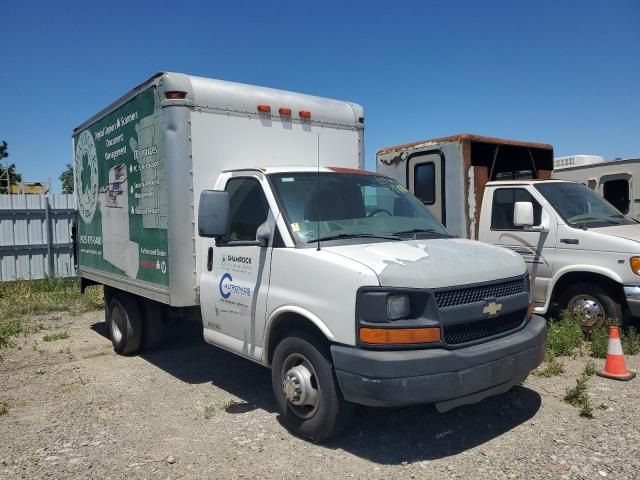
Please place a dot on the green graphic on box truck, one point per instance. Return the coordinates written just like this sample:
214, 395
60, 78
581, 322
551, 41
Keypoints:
121, 189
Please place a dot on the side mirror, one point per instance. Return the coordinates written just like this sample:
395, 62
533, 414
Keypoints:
263, 234
523, 214
213, 214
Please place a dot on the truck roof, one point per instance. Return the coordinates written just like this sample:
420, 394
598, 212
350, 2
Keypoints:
307, 169
524, 182
240, 98
460, 137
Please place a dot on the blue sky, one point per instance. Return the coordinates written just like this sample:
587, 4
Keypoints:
560, 72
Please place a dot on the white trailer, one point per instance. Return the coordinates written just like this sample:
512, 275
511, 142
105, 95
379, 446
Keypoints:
617, 181
248, 207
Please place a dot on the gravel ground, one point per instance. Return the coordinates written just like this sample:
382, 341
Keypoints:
78, 410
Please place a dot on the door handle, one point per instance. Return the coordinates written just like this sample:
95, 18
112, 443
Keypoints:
570, 241
210, 259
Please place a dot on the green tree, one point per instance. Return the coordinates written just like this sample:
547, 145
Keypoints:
66, 178
8, 175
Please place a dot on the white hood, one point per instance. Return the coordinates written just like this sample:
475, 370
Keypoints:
434, 263
629, 232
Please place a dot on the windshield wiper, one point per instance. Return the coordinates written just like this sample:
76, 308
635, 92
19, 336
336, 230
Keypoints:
354, 235
422, 230
595, 219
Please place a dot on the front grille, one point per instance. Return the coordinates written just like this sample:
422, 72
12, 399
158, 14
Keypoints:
464, 296
483, 328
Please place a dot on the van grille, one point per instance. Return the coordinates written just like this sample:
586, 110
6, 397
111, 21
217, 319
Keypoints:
464, 296
483, 328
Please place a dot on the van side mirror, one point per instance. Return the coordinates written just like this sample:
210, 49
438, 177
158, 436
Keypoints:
213, 214
523, 214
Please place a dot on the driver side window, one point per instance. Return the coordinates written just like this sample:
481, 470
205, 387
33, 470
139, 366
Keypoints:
248, 208
504, 200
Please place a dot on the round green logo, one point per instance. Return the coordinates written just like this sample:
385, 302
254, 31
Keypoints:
86, 164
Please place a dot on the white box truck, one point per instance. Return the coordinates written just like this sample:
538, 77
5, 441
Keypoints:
247, 206
583, 254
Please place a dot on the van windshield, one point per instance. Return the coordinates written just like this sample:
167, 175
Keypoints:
579, 206
332, 206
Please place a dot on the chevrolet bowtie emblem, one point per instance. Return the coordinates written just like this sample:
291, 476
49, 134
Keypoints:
492, 308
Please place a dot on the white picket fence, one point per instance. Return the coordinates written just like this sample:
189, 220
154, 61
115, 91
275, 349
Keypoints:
35, 236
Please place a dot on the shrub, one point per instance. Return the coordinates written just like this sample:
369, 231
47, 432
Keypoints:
564, 336
552, 368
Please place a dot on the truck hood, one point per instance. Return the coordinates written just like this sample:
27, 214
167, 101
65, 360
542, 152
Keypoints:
434, 263
628, 232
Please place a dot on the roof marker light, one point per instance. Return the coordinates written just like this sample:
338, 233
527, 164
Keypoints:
304, 114
175, 95
285, 111
264, 108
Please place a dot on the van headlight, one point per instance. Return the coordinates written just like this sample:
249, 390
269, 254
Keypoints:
398, 306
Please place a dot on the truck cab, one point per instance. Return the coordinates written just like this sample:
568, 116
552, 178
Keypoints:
582, 253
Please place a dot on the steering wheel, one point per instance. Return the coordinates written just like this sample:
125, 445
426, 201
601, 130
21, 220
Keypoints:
380, 210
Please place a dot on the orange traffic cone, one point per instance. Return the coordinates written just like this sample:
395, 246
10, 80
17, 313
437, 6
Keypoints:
615, 366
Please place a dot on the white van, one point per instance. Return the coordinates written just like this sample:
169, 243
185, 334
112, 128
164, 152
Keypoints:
248, 206
583, 254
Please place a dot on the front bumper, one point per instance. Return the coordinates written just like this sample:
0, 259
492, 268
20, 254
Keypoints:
448, 378
632, 294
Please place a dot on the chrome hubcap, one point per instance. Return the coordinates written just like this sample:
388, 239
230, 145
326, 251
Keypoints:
300, 385
587, 309
116, 325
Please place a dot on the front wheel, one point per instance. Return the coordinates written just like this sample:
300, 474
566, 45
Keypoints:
306, 391
591, 304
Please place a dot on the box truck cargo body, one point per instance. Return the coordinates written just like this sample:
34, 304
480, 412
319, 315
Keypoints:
249, 208
142, 162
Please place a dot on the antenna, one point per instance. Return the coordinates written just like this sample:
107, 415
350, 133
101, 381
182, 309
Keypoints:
318, 190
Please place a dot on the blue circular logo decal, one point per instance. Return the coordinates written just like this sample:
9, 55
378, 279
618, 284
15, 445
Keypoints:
226, 276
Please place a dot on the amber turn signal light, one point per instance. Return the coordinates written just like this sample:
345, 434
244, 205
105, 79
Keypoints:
399, 336
635, 265
175, 95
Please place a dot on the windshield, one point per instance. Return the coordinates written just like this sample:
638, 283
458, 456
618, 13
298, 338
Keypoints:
581, 207
328, 206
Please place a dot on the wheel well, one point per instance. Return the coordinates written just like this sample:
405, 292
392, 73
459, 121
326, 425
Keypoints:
609, 285
287, 323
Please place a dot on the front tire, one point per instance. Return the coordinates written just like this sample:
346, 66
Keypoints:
124, 326
306, 391
590, 303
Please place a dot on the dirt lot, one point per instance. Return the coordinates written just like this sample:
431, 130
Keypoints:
75, 409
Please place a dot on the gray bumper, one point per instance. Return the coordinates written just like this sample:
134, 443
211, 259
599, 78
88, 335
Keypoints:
632, 294
447, 378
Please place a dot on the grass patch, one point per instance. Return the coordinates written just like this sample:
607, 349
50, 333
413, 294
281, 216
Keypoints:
578, 396
209, 411
56, 336
552, 368
564, 336
4, 409
630, 339
31, 297
8, 328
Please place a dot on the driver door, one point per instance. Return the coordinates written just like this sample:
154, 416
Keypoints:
234, 282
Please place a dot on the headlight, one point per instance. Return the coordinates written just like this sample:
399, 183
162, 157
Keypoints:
634, 262
398, 306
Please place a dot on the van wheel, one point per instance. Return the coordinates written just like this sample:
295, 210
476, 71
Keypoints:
591, 304
306, 391
123, 324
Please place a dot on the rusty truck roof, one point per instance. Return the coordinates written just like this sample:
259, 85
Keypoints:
463, 137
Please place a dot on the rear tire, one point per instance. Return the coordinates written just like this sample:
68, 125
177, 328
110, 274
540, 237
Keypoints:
152, 332
124, 325
591, 303
306, 390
